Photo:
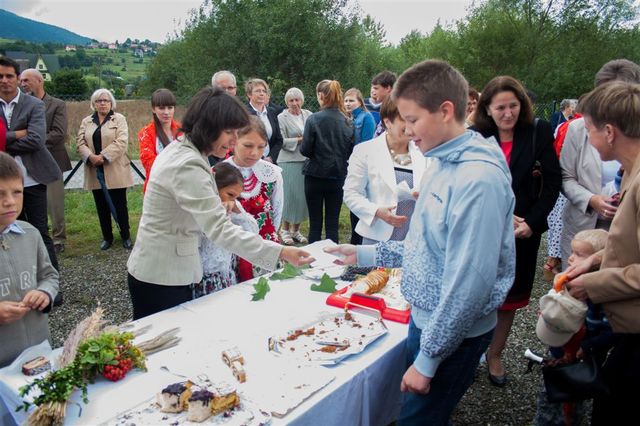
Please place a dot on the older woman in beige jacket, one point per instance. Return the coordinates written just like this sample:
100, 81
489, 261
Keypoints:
612, 119
102, 143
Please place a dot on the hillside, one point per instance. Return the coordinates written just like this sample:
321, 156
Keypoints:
16, 27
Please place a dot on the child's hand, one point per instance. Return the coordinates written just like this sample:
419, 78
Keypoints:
12, 311
230, 206
36, 300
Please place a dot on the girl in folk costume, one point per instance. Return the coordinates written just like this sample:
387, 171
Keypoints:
219, 266
262, 195
160, 132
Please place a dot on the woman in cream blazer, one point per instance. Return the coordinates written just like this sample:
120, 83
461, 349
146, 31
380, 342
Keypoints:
374, 189
182, 202
102, 143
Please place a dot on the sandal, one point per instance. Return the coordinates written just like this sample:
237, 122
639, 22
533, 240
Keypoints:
299, 238
551, 268
285, 236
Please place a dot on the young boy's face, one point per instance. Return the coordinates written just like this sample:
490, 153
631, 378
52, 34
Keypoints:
11, 194
379, 93
580, 250
425, 128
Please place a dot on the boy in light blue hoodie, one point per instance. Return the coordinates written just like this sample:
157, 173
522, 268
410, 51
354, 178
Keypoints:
458, 258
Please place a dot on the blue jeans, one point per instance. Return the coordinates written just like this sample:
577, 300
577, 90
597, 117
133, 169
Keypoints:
453, 377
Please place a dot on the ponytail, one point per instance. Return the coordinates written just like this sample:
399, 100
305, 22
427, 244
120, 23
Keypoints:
332, 95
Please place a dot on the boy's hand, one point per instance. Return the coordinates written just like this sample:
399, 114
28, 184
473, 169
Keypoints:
36, 300
12, 311
347, 252
414, 382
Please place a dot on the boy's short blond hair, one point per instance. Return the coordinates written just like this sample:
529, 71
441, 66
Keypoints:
432, 82
9, 169
596, 237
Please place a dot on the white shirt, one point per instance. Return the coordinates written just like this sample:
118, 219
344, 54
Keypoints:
263, 116
7, 109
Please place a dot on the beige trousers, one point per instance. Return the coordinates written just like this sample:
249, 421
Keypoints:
55, 207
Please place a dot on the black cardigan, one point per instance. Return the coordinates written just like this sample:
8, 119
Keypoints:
327, 143
529, 206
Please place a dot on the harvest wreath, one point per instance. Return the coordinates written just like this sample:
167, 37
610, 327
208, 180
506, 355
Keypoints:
91, 349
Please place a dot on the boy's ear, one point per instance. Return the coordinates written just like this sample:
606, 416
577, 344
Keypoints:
448, 111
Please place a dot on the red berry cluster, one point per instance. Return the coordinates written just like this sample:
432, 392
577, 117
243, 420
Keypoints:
118, 371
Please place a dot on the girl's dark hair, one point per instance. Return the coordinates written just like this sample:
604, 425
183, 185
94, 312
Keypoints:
210, 112
483, 122
226, 174
162, 98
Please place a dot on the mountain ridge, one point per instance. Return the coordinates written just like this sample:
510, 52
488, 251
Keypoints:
16, 27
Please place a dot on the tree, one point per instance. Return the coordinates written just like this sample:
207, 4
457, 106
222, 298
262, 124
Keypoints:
286, 42
68, 82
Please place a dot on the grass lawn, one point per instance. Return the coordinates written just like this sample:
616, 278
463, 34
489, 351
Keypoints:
83, 228
125, 64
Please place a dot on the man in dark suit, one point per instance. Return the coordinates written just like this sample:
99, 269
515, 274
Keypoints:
26, 134
32, 83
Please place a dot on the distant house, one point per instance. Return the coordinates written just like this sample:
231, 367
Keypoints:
139, 53
112, 46
70, 48
47, 64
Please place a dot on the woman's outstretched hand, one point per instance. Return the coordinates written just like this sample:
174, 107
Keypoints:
296, 256
346, 254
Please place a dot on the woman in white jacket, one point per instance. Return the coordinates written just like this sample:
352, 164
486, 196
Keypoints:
382, 177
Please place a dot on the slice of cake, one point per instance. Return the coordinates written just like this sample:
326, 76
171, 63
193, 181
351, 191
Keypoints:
232, 354
200, 406
174, 398
238, 372
225, 398
36, 366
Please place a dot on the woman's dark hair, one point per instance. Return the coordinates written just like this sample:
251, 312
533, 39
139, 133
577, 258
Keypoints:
210, 112
389, 109
162, 98
483, 122
226, 174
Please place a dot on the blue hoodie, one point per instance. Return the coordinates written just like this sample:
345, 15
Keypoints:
458, 259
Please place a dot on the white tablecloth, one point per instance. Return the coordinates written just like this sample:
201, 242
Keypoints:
365, 390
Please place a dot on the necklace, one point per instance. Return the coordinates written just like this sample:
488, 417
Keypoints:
250, 183
399, 159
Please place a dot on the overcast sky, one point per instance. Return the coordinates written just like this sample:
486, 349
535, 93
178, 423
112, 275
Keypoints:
110, 20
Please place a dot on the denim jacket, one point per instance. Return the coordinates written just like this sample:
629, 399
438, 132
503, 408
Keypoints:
365, 125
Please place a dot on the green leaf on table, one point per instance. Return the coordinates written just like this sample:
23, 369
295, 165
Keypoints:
327, 284
289, 271
261, 288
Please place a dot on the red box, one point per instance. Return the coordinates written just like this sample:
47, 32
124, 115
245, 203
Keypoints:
377, 303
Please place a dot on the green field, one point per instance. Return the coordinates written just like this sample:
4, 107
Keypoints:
123, 63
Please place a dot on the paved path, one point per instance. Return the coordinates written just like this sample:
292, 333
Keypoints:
77, 181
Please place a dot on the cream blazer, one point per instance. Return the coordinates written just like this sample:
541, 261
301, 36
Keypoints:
182, 202
115, 140
581, 179
371, 184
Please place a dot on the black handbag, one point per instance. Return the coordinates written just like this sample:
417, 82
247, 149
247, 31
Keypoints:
537, 180
575, 381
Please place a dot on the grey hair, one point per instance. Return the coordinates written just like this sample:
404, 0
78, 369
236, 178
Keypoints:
100, 92
222, 73
565, 104
294, 92
33, 71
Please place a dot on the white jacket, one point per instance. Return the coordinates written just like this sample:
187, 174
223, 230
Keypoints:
371, 184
